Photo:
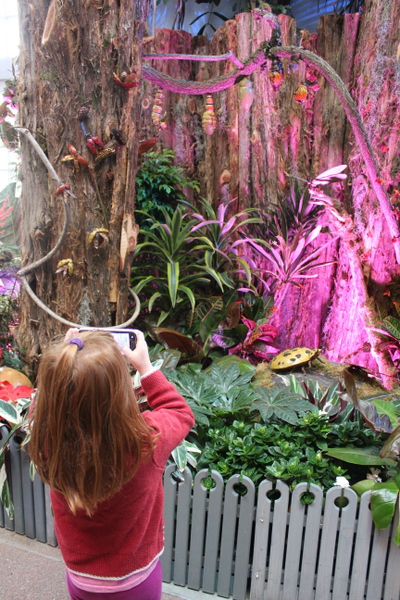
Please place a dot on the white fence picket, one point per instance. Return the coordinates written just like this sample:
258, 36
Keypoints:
377, 563
211, 551
236, 536
344, 546
311, 543
182, 528
392, 579
301, 554
205, 532
278, 542
328, 545
169, 528
261, 541
361, 549
244, 539
199, 520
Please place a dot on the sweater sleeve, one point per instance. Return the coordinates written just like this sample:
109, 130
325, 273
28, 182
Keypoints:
170, 416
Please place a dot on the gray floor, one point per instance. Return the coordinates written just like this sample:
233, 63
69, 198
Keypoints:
30, 570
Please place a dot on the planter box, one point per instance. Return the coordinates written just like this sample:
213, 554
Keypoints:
232, 545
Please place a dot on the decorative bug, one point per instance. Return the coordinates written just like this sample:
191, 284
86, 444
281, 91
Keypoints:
126, 80
312, 79
65, 266
147, 145
98, 237
276, 75
209, 120
117, 135
77, 158
157, 110
94, 143
103, 154
301, 94
64, 187
293, 358
246, 94
83, 113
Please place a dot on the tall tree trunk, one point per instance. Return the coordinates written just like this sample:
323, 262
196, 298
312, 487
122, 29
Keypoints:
85, 42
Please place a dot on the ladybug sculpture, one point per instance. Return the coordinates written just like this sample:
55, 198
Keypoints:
293, 358
94, 143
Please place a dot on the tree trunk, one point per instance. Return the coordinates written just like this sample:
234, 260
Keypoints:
86, 43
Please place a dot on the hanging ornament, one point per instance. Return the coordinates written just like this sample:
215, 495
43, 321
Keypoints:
276, 76
246, 94
157, 109
293, 67
209, 120
65, 266
126, 80
94, 143
312, 79
147, 145
301, 94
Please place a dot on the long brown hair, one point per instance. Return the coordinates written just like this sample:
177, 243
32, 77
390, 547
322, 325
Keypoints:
87, 434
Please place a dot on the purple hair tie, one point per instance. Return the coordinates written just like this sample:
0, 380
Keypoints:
76, 341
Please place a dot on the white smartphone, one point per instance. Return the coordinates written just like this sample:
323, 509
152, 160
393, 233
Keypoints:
123, 337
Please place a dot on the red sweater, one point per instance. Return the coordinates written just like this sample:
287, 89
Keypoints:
125, 533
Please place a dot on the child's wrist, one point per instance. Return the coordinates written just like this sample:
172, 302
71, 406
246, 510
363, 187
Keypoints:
148, 371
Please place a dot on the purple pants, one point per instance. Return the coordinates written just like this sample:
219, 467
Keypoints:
149, 589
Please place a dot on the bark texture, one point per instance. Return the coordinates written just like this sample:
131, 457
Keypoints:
87, 41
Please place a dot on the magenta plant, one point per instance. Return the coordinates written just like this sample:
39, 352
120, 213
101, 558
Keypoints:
249, 339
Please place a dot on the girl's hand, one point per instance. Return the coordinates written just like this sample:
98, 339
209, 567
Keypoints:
139, 357
70, 334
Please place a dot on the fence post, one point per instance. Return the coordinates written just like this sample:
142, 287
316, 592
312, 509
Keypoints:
27, 494
16, 483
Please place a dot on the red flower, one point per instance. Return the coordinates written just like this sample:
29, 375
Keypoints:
9, 392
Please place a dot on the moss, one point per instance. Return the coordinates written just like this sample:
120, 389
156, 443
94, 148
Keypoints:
264, 376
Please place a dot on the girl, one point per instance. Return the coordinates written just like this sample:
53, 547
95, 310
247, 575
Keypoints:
104, 462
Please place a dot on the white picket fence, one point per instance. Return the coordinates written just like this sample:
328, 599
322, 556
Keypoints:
248, 546
221, 542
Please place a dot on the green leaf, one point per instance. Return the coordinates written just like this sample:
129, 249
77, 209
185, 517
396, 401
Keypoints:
383, 503
281, 403
153, 298
9, 413
387, 408
5, 494
363, 486
392, 325
173, 281
359, 456
32, 470
189, 294
397, 532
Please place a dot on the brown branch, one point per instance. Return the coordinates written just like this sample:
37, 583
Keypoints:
256, 61
48, 310
40, 152
52, 252
205, 58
